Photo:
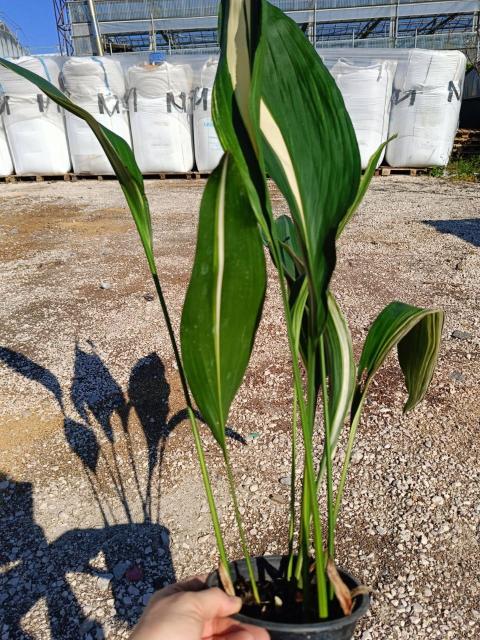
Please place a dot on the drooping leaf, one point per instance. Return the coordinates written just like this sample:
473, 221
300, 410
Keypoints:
226, 580
417, 332
308, 144
225, 296
117, 151
364, 184
342, 592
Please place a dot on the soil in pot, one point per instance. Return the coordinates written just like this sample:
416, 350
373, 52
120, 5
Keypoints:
282, 611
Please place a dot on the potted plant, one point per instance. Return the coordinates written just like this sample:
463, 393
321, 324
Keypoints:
278, 112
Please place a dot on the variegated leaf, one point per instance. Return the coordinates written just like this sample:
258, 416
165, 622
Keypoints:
308, 145
239, 38
225, 296
417, 332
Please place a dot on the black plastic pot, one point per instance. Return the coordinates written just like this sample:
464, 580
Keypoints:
338, 629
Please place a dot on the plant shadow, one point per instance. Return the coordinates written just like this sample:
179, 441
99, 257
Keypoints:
129, 553
466, 229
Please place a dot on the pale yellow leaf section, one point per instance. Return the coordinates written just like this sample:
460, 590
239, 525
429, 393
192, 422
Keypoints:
275, 139
238, 61
220, 251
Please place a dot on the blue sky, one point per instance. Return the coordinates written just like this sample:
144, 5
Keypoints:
35, 21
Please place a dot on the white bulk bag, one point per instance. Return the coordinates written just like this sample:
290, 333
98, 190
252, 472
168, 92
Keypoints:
97, 85
426, 102
208, 150
367, 92
6, 163
159, 116
34, 124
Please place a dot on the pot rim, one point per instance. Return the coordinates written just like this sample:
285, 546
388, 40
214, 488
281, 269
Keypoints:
328, 625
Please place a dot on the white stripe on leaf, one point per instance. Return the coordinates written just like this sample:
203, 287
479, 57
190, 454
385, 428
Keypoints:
220, 255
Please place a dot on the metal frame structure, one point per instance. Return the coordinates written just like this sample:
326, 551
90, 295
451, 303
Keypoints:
64, 27
191, 25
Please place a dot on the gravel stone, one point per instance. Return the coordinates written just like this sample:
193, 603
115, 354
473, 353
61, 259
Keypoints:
93, 426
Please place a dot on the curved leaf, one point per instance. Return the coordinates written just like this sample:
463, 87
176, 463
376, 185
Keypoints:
290, 251
225, 296
417, 332
308, 143
341, 368
239, 37
117, 151
364, 184
297, 306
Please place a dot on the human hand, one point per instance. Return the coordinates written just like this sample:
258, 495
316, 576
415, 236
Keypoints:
190, 611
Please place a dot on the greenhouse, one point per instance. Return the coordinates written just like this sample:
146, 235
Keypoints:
85, 26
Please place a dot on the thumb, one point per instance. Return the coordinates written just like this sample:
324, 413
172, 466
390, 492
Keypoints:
214, 603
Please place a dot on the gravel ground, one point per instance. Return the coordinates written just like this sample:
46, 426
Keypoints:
100, 496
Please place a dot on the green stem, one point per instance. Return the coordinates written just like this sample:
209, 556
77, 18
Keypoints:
173, 340
307, 427
322, 597
291, 526
301, 569
346, 461
328, 452
208, 490
238, 518
305, 521
193, 422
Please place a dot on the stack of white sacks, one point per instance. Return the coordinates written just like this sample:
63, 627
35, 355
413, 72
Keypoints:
208, 150
98, 86
411, 93
369, 109
427, 94
159, 105
34, 125
415, 94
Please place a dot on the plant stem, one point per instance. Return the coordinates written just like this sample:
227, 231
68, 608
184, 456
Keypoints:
328, 451
307, 429
173, 340
346, 461
291, 527
208, 490
322, 598
238, 518
193, 422
305, 521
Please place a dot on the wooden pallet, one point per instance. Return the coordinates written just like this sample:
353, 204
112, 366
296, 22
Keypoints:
190, 175
467, 143
74, 177
403, 171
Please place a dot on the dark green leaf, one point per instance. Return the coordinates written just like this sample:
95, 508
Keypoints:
225, 296
290, 251
308, 143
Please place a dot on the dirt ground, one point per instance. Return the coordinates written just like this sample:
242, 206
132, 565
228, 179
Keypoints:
101, 500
